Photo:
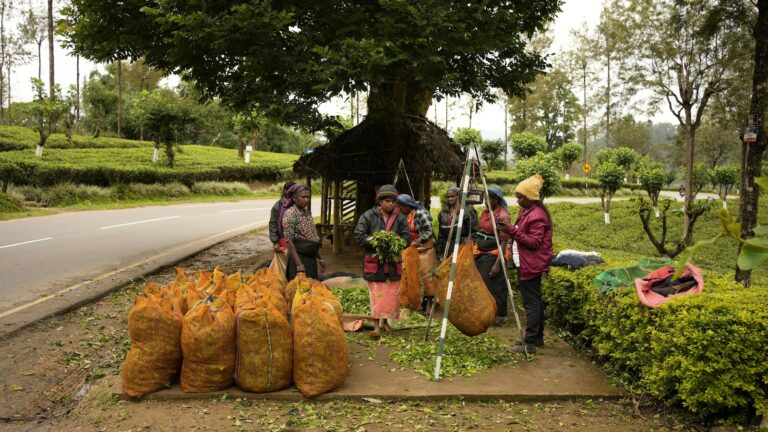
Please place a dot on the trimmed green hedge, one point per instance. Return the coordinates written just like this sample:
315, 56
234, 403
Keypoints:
511, 177
21, 138
705, 352
110, 166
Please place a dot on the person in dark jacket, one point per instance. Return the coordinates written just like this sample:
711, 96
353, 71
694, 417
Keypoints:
275, 219
532, 237
449, 217
383, 277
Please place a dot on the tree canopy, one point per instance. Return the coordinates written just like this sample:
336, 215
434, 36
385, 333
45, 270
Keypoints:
287, 57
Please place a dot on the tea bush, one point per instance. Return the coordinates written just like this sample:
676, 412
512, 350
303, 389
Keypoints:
705, 352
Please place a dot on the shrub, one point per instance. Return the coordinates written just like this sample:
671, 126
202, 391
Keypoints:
8, 204
705, 352
568, 154
64, 194
468, 138
547, 165
526, 144
221, 188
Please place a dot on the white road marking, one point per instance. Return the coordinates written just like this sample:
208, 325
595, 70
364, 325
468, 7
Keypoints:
26, 242
139, 222
114, 272
245, 209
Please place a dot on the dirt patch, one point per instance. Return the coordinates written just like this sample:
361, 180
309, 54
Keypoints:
60, 373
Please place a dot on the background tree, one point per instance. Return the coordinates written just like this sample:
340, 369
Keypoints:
69, 114
547, 165
626, 158
34, 29
568, 154
47, 112
716, 145
468, 138
752, 153
724, 179
100, 102
166, 114
405, 53
490, 150
610, 176
684, 59
526, 144
652, 179
702, 176
627, 132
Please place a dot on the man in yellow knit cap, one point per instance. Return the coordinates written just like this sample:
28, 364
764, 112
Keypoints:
532, 237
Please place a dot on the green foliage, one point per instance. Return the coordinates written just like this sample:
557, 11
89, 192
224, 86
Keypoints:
724, 179
610, 176
547, 165
411, 49
702, 176
652, 179
704, 352
388, 245
625, 157
526, 144
46, 109
490, 150
8, 204
19, 138
569, 153
70, 194
355, 300
468, 138
110, 166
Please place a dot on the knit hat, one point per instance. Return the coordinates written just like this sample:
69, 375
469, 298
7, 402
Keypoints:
530, 187
386, 191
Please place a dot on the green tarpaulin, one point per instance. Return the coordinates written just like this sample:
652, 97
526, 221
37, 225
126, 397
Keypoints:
609, 280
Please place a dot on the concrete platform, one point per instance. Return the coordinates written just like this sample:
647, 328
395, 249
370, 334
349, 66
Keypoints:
556, 372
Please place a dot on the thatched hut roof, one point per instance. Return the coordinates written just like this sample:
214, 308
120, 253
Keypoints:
372, 150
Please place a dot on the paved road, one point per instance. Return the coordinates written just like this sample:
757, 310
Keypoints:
46, 258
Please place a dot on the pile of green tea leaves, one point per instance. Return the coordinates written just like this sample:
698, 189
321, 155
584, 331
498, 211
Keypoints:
354, 300
388, 245
462, 355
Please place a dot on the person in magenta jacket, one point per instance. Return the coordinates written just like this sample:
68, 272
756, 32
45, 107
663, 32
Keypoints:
532, 237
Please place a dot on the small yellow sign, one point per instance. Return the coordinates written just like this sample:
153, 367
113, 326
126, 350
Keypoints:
587, 168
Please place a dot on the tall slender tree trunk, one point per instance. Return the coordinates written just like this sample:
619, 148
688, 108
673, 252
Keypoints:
506, 130
9, 93
119, 98
584, 109
752, 153
446, 114
51, 68
40, 60
608, 104
77, 87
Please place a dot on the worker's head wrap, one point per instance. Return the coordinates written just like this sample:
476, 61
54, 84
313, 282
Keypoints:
408, 200
496, 191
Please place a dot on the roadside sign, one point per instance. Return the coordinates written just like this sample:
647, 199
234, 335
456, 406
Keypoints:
587, 168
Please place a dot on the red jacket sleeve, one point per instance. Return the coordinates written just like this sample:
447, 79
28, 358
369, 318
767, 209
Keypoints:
533, 238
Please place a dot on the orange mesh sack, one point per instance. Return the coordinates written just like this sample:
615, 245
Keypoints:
155, 355
472, 306
264, 347
440, 276
246, 293
270, 278
320, 350
308, 286
208, 344
410, 283
277, 269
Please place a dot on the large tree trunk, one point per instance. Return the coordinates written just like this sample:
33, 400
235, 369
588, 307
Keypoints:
390, 102
752, 153
690, 194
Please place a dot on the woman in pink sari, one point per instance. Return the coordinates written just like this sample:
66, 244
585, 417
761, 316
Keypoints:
383, 277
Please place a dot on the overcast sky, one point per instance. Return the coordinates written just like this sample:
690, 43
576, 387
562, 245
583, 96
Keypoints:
489, 120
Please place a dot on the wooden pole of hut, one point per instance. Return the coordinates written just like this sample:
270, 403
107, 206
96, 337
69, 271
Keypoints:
337, 242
